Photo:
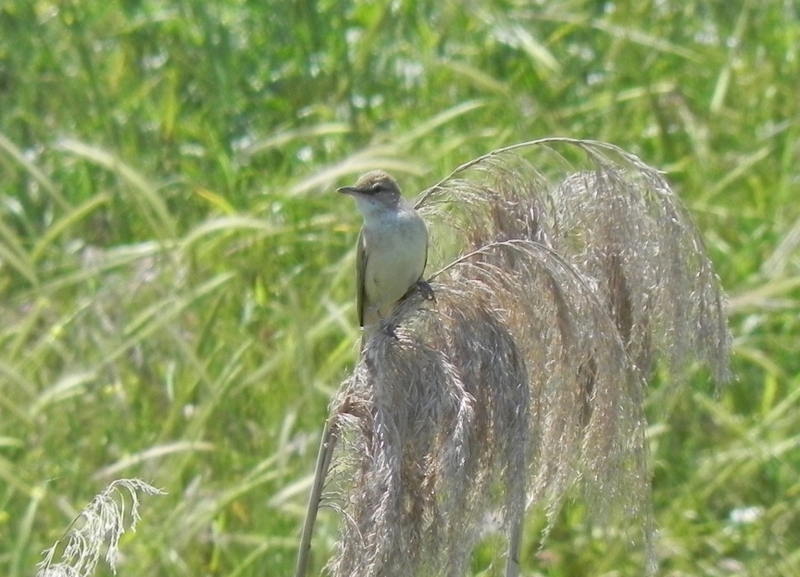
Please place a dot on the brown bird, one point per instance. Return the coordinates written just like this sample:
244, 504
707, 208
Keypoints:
392, 247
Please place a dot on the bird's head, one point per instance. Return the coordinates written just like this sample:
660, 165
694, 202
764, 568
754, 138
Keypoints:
376, 190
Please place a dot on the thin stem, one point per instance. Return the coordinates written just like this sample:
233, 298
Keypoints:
514, 545
326, 447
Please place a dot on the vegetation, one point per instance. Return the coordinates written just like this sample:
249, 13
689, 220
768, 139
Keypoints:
176, 274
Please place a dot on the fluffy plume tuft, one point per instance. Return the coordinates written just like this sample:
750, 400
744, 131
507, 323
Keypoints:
570, 271
100, 526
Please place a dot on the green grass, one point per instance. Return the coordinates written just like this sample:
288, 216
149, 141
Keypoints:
176, 274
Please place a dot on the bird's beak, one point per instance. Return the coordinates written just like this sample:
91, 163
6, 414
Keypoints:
347, 190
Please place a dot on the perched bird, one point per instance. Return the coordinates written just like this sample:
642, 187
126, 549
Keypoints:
392, 247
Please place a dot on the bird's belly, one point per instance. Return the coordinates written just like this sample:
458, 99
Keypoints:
391, 270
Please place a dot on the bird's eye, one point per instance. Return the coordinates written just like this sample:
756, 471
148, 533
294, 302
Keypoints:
377, 187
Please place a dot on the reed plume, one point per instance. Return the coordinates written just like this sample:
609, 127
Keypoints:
567, 273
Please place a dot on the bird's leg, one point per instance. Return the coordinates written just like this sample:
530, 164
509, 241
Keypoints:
389, 328
425, 290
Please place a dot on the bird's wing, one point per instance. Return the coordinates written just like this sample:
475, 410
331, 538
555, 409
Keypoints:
427, 246
361, 267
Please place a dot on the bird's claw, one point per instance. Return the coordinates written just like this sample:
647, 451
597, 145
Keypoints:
425, 290
390, 329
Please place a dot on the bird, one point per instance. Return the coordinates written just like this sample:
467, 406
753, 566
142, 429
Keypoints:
392, 249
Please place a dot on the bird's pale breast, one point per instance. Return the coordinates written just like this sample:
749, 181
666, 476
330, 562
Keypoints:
396, 253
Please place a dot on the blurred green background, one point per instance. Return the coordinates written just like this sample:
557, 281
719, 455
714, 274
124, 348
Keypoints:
176, 274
